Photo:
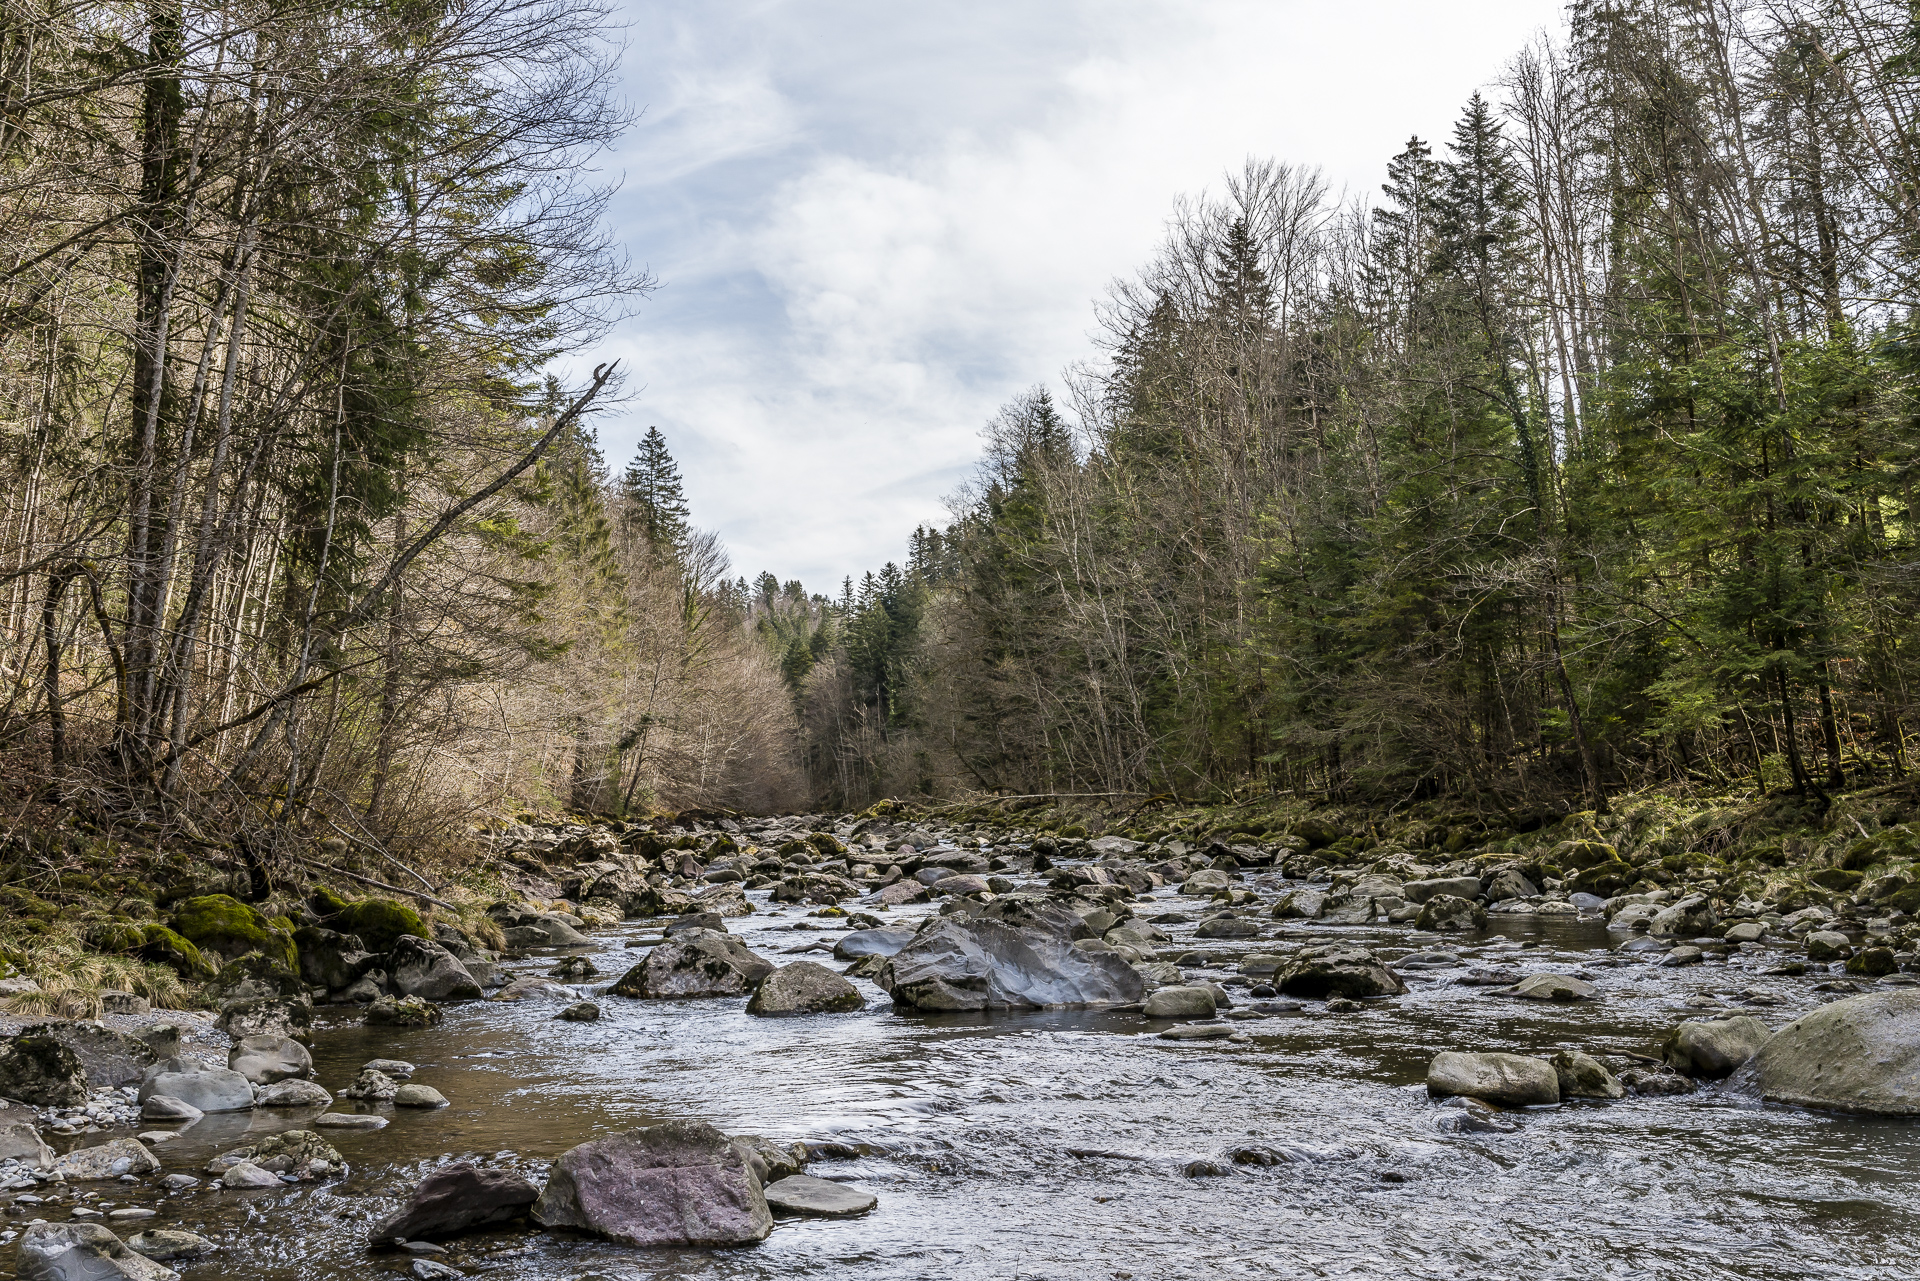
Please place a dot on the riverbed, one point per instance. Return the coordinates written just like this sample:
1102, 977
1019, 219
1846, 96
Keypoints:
1077, 1144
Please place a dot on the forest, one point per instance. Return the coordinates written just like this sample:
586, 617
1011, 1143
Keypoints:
1577, 461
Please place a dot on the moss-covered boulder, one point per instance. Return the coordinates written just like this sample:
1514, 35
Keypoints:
1836, 878
223, 924
257, 975
380, 923
326, 904
160, 944
1605, 879
403, 1011
115, 936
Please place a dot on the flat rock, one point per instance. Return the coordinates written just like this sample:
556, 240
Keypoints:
986, 964
804, 1194
198, 1085
1554, 987
349, 1121
293, 1094
458, 1198
107, 1160
82, 1252
1198, 1032
1511, 1080
1181, 1002
679, 1183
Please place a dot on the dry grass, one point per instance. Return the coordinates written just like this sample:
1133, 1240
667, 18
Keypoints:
73, 983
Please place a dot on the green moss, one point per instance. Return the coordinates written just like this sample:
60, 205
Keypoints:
168, 948
231, 928
258, 975
380, 923
115, 936
325, 903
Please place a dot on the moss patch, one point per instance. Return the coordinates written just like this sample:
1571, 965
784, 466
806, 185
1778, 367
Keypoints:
230, 927
380, 923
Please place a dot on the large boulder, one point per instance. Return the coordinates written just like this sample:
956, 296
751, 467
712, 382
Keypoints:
804, 988
1857, 1055
109, 1057
107, 1160
1337, 969
1451, 913
35, 1068
1510, 1080
223, 924
266, 1059
1467, 887
379, 923
198, 1085
427, 970
988, 964
331, 959
693, 964
265, 1016
1713, 1047
456, 1199
680, 1183
1691, 917
1508, 882
82, 1252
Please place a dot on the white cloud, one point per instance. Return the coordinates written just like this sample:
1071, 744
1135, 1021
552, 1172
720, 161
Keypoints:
876, 222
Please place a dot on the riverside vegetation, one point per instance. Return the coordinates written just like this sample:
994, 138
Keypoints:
1465, 634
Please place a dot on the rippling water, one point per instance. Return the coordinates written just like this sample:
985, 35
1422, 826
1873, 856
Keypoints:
965, 1126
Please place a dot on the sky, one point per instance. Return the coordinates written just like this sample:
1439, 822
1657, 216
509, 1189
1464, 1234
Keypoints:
876, 221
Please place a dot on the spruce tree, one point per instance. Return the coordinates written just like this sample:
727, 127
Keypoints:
656, 502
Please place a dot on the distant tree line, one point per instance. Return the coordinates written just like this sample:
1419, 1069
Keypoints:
1582, 460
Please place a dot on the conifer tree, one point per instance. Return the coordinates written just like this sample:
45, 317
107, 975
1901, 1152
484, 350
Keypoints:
656, 501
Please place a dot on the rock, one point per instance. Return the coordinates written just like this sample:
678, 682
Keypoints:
164, 1107
162, 1038
679, 1183
1691, 917
1554, 987
20, 1141
986, 964
1227, 927
198, 1084
223, 924
695, 921
1337, 970
1206, 883
1861, 1054
82, 1252
1828, 945
1466, 887
803, 1194
1114, 847
1200, 1032
403, 1011
264, 1016
1745, 932
1511, 1080
419, 1096
456, 1199
1451, 913
371, 1086
108, 1057
398, 1069
36, 1068
695, 964
771, 1160
299, 1153
246, 1174
293, 1094
1509, 882
433, 1270
430, 972
1584, 1077
851, 947
1301, 905
533, 987
804, 988
580, 1012
331, 959
900, 893
1872, 962
1682, 955
1713, 1047
964, 883
349, 1121
107, 1160
266, 1059
166, 1244
1181, 1003
1586, 903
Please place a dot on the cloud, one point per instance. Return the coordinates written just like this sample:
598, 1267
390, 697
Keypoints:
877, 222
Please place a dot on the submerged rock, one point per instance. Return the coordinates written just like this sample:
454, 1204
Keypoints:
694, 964
457, 1199
988, 964
1511, 1080
804, 988
804, 1194
1554, 987
680, 1183
1861, 1054
166, 1244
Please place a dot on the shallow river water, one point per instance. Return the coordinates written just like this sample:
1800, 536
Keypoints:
967, 1129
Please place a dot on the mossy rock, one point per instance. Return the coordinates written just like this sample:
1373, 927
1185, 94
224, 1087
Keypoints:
225, 925
402, 1011
326, 903
1905, 899
1604, 879
162, 945
380, 923
723, 846
1583, 854
256, 975
1836, 878
826, 844
116, 937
